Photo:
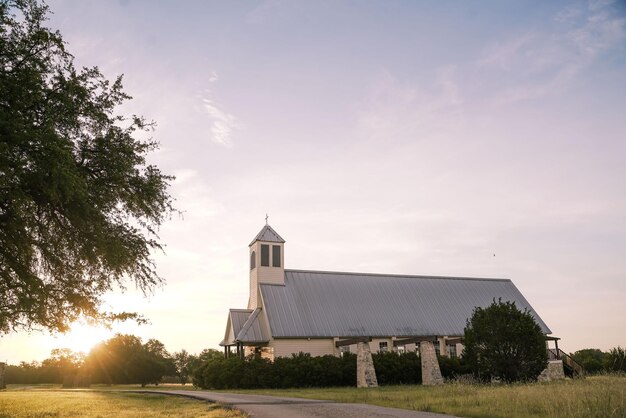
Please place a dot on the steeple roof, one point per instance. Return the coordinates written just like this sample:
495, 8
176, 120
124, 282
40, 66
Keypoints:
267, 234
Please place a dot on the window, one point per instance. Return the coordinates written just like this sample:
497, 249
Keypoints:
265, 255
437, 350
451, 350
401, 349
382, 346
275, 255
252, 260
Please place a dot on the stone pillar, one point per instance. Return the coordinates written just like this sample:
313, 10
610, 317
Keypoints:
554, 371
2, 384
365, 373
431, 374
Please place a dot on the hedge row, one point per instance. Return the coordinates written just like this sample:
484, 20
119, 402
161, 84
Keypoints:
302, 370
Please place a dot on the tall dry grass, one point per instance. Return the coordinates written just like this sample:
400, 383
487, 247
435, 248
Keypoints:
597, 396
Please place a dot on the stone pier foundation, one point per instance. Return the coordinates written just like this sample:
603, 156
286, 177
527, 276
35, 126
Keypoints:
365, 373
554, 371
431, 373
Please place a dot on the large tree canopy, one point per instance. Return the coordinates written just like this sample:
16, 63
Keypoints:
79, 203
502, 341
125, 359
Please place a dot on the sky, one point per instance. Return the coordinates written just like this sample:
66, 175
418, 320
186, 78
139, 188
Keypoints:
461, 138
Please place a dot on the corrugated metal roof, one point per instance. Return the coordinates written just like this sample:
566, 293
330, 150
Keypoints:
238, 317
252, 331
331, 304
246, 327
267, 234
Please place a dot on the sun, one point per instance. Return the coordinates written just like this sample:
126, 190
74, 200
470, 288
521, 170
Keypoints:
81, 337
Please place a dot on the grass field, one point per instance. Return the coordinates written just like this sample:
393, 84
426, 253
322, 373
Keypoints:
594, 397
599, 396
29, 403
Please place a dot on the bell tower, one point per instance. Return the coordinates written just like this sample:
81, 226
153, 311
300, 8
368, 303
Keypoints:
267, 263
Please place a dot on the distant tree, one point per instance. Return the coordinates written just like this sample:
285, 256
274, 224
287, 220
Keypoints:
615, 360
79, 204
210, 354
502, 341
161, 362
66, 366
24, 373
62, 364
183, 362
124, 359
592, 359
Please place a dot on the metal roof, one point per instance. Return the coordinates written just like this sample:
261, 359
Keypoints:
252, 331
246, 327
331, 304
238, 317
267, 234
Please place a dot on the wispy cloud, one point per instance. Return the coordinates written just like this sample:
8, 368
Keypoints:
395, 109
531, 65
537, 63
223, 123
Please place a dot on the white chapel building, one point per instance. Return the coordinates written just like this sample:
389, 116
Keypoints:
322, 312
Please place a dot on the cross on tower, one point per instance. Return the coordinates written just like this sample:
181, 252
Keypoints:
266, 216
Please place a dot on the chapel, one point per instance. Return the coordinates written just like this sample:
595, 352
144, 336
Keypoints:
330, 313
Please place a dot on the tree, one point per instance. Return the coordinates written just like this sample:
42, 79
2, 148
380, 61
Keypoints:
79, 204
183, 362
615, 360
161, 362
62, 366
124, 359
503, 342
196, 363
210, 354
592, 359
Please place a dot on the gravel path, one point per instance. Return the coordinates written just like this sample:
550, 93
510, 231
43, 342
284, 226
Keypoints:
263, 406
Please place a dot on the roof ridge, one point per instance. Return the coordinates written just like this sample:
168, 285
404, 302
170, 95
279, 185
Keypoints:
351, 273
246, 325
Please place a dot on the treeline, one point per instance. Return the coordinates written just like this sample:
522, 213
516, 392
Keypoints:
303, 370
123, 359
596, 361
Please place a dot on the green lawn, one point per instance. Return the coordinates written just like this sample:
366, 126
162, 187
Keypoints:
599, 396
16, 403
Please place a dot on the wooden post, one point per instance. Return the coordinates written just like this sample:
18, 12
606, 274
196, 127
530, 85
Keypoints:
2, 384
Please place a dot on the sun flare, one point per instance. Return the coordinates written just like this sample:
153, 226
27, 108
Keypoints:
81, 337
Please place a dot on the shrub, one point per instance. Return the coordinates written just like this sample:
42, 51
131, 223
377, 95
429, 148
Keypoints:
503, 342
453, 367
303, 370
397, 368
300, 370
